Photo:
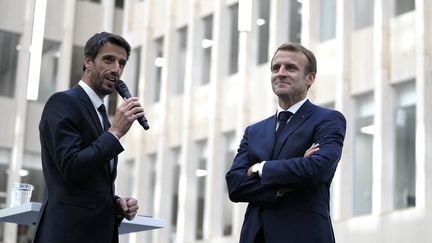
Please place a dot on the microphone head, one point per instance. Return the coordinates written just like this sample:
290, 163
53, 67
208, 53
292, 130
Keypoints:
121, 88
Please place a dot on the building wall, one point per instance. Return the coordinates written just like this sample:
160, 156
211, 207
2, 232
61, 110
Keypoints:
369, 73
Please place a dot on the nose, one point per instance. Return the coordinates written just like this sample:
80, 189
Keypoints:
282, 71
117, 67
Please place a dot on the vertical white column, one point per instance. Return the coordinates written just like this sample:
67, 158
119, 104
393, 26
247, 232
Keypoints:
214, 197
10, 230
66, 48
164, 165
143, 167
186, 220
423, 42
382, 141
108, 15
310, 13
243, 108
342, 183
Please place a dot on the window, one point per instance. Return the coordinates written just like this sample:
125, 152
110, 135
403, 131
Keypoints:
77, 65
159, 62
263, 30
180, 65
294, 33
206, 44
175, 152
363, 13
230, 149
49, 69
119, 4
327, 18
9, 43
234, 40
201, 174
152, 185
402, 6
363, 149
404, 146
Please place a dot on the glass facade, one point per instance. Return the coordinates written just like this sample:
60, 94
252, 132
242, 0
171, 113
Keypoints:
363, 150
404, 146
263, 18
233, 45
49, 69
180, 60
201, 176
8, 62
206, 48
327, 20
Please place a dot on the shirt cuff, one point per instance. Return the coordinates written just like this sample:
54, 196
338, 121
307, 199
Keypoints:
258, 167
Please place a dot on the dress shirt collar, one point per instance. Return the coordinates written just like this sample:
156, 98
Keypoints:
96, 101
294, 108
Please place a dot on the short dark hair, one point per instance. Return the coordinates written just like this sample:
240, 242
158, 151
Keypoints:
311, 67
95, 43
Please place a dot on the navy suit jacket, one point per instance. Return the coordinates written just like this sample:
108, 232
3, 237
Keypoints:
301, 215
79, 196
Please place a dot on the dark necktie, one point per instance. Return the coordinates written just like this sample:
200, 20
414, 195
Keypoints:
103, 112
283, 118
106, 125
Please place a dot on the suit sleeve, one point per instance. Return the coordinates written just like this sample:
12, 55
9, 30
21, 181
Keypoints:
314, 170
244, 188
67, 140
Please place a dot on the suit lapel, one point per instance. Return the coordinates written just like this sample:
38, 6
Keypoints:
296, 120
95, 124
85, 100
270, 128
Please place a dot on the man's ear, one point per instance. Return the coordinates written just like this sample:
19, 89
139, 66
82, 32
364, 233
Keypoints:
88, 62
310, 78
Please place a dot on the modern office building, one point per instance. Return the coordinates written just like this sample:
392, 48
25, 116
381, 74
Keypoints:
201, 71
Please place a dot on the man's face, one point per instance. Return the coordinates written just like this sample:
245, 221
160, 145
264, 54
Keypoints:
288, 77
106, 68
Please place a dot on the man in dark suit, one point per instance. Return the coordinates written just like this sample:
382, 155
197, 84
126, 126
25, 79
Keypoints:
283, 168
80, 148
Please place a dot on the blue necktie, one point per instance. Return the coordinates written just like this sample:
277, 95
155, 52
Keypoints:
283, 118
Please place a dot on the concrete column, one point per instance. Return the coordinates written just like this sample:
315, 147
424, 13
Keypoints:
243, 108
143, 167
423, 77
10, 230
383, 122
164, 165
214, 197
66, 48
186, 219
310, 11
342, 183
108, 15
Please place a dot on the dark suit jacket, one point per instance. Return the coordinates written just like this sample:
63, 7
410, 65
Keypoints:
302, 214
79, 202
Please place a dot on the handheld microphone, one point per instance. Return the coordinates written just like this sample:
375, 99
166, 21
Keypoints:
123, 91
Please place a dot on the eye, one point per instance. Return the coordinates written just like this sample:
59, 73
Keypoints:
291, 67
108, 59
275, 68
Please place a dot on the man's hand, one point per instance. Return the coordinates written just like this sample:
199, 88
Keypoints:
125, 115
314, 148
129, 207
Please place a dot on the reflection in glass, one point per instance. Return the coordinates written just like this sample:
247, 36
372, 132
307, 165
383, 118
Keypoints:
9, 43
363, 149
405, 163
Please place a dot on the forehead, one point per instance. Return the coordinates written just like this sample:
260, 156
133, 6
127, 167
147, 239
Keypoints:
112, 49
294, 57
